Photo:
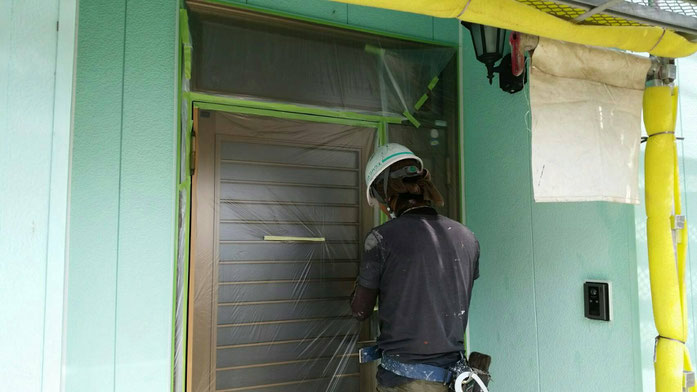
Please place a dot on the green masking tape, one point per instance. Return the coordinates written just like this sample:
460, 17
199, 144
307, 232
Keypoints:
185, 39
285, 107
372, 49
424, 97
421, 102
184, 27
284, 115
411, 119
433, 83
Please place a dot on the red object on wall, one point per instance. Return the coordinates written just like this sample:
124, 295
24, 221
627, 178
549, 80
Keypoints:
517, 55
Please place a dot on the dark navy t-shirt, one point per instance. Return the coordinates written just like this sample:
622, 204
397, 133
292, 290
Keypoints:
423, 266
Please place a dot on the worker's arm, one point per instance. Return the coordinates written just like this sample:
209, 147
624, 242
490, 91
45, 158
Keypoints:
363, 302
366, 290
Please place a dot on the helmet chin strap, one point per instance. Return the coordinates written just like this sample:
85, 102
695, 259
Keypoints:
389, 210
386, 203
385, 179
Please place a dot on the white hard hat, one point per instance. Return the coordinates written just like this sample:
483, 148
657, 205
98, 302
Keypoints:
382, 158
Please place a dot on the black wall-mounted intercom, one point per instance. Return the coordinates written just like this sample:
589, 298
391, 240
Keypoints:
596, 297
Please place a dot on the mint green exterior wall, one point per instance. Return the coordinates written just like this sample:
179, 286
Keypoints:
116, 333
527, 309
687, 155
413, 26
36, 74
122, 217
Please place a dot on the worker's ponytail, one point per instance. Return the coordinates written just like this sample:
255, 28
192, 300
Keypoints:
406, 187
418, 188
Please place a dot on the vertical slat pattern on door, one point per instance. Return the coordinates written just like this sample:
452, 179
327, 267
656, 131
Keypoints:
283, 320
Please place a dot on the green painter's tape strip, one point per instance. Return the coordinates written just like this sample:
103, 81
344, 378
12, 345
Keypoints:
372, 49
424, 97
173, 372
184, 185
421, 102
433, 83
382, 133
411, 119
283, 107
187, 61
285, 115
185, 39
184, 27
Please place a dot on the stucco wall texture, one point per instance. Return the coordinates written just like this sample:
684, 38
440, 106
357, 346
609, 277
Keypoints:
122, 217
527, 307
527, 310
36, 73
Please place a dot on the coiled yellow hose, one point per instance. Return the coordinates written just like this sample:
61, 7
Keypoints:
666, 266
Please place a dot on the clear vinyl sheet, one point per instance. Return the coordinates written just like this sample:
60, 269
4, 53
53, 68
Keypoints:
278, 199
262, 57
586, 122
183, 225
279, 222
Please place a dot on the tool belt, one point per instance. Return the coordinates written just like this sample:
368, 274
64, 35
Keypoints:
461, 374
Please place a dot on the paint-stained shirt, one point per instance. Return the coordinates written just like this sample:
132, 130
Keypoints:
424, 266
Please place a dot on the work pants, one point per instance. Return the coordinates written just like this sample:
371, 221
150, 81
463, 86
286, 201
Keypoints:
416, 386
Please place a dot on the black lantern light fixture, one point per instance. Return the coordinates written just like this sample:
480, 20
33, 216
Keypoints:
489, 44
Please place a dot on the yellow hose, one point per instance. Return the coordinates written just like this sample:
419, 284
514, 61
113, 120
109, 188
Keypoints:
681, 246
667, 272
513, 15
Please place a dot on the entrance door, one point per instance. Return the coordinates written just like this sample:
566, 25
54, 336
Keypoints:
279, 221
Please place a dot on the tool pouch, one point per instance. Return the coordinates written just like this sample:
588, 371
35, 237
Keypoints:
479, 364
473, 386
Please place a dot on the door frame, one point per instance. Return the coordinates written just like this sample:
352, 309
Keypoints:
190, 101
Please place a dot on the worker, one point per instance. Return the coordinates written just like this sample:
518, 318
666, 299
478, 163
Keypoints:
421, 266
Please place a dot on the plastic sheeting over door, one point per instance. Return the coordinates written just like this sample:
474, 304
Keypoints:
279, 225
278, 217
586, 122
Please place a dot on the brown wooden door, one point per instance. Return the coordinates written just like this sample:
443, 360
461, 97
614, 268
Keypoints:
279, 220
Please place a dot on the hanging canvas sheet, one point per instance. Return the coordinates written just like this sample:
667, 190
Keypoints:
586, 122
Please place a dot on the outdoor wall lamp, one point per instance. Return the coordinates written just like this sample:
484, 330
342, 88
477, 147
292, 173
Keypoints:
489, 45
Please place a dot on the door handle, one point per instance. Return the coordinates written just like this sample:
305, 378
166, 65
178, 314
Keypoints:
293, 239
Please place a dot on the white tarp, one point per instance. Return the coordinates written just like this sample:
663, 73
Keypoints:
586, 122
